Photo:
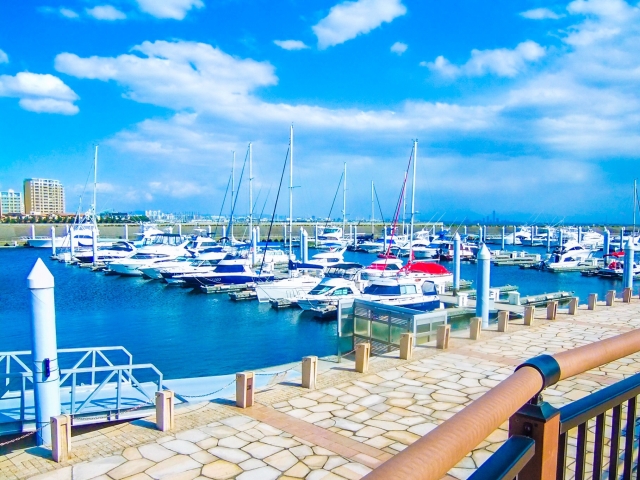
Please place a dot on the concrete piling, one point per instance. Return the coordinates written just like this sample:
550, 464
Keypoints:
363, 351
502, 238
179, 229
244, 389
44, 350
456, 264
629, 255
304, 246
606, 250
165, 418
254, 246
315, 233
406, 346
355, 237
482, 285
622, 230
32, 231
208, 230
126, 231
548, 239
71, 246
53, 240
309, 372
560, 239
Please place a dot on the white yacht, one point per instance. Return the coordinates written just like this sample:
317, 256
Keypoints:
107, 254
402, 292
289, 288
421, 272
341, 281
167, 246
570, 255
331, 237
384, 267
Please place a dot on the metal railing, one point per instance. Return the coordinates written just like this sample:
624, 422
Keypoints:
518, 399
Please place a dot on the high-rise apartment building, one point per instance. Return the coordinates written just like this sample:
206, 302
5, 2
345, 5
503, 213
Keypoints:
42, 196
11, 203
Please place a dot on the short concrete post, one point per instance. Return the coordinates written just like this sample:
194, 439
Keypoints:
610, 297
593, 301
579, 234
573, 305
244, 389
629, 257
32, 230
94, 245
60, 438
552, 310
284, 235
456, 264
503, 321
53, 240
165, 419
442, 337
363, 351
475, 327
309, 372
44, 350
529, 315
627, 294
514, 234
482, 285
406, 346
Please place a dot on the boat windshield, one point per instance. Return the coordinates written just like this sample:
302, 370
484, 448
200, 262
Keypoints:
148, 256
167, 239
391, 290
330, 230
320, 290
229, 268
429, 288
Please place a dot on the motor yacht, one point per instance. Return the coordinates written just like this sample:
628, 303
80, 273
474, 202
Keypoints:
232, 270
402, 292
570, 255
387, 267
107, 254
340, 282
421, 272
167, 246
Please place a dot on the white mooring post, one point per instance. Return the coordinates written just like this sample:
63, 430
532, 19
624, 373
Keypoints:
548, 239
208, 230
179, 229
315, 232
560, 239
126, 231
71, 247
301, 246
53, 240
482, 285
44, 350
456, 264
629, 254
94, 245
355, 237
514, 235
284, 235
224, 231
304, 241
254, 246
607, 245
502, 248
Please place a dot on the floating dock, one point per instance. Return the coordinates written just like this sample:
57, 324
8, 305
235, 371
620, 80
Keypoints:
226, 288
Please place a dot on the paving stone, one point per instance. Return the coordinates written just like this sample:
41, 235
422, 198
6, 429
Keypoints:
131, 453
220, 432
299, 470
208, 443
370, 400
406, 438
262, 473
193, 436
251, 464
316, 417
173, 465
236, 421
232, 442
61, 474
318, 475
130, 468
260, 450
352, 471
386, 425
268, 430
221, 469
302, 402
182, 446
325, 407
278, 441
229, 454
315, 461
203, 457
282, 460
422, 428
345, 424
95, 468
301, 451
188, 475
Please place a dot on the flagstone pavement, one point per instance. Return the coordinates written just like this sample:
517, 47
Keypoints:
349, 425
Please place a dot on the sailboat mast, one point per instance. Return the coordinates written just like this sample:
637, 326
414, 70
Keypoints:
344, 202
413, 198
95, 183
291, 190
372, 209
250, 190
635, 190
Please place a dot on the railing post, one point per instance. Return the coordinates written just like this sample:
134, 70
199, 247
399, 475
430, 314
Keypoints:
442, 337
406, 346
593, 301
60, 438
552, 310
610, 298
529, 315
309, 372
363, 351
573, 305
475, 326
244, 389
503, 321
164, 410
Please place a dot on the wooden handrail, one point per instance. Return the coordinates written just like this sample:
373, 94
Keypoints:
432, 456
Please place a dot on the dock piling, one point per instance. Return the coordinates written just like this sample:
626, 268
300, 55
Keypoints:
304, 245
60, 438
606, 250
165, 419
244, 389
502, 237
126, 231
456, 264
548, 239
32, 231
44, 350
482, 285
629, 254
406, 346
363, 351
53, 240
309, 372
71, 246
94, 245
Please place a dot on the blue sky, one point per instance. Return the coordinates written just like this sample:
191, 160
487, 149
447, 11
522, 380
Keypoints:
527, 108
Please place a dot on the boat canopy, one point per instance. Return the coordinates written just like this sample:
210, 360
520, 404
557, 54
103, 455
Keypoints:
425, 267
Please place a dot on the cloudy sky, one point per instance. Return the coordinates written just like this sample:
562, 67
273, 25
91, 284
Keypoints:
528, 108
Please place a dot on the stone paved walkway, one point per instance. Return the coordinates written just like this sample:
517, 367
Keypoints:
350, 424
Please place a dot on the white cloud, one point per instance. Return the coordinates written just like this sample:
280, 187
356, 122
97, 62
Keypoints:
541, 14
4, 58
349, 19
68, 13
291, 44
399, 48
106, 12
502, 61
39, 93
174, 9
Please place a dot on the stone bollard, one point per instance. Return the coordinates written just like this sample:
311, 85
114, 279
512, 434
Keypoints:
627, 294
593, 301
475, 326
406, 346
610, 298
244, 389
60, 438
442, 337
503, 321
552, 310
573, 305
529, 315
309, 372
363, 350
164, 410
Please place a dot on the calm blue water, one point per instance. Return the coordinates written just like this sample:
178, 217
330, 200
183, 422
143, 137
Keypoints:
188, 334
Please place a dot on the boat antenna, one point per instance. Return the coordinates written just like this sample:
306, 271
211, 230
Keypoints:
275, 206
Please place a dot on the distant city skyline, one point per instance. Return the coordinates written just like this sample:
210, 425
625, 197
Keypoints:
526, 108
